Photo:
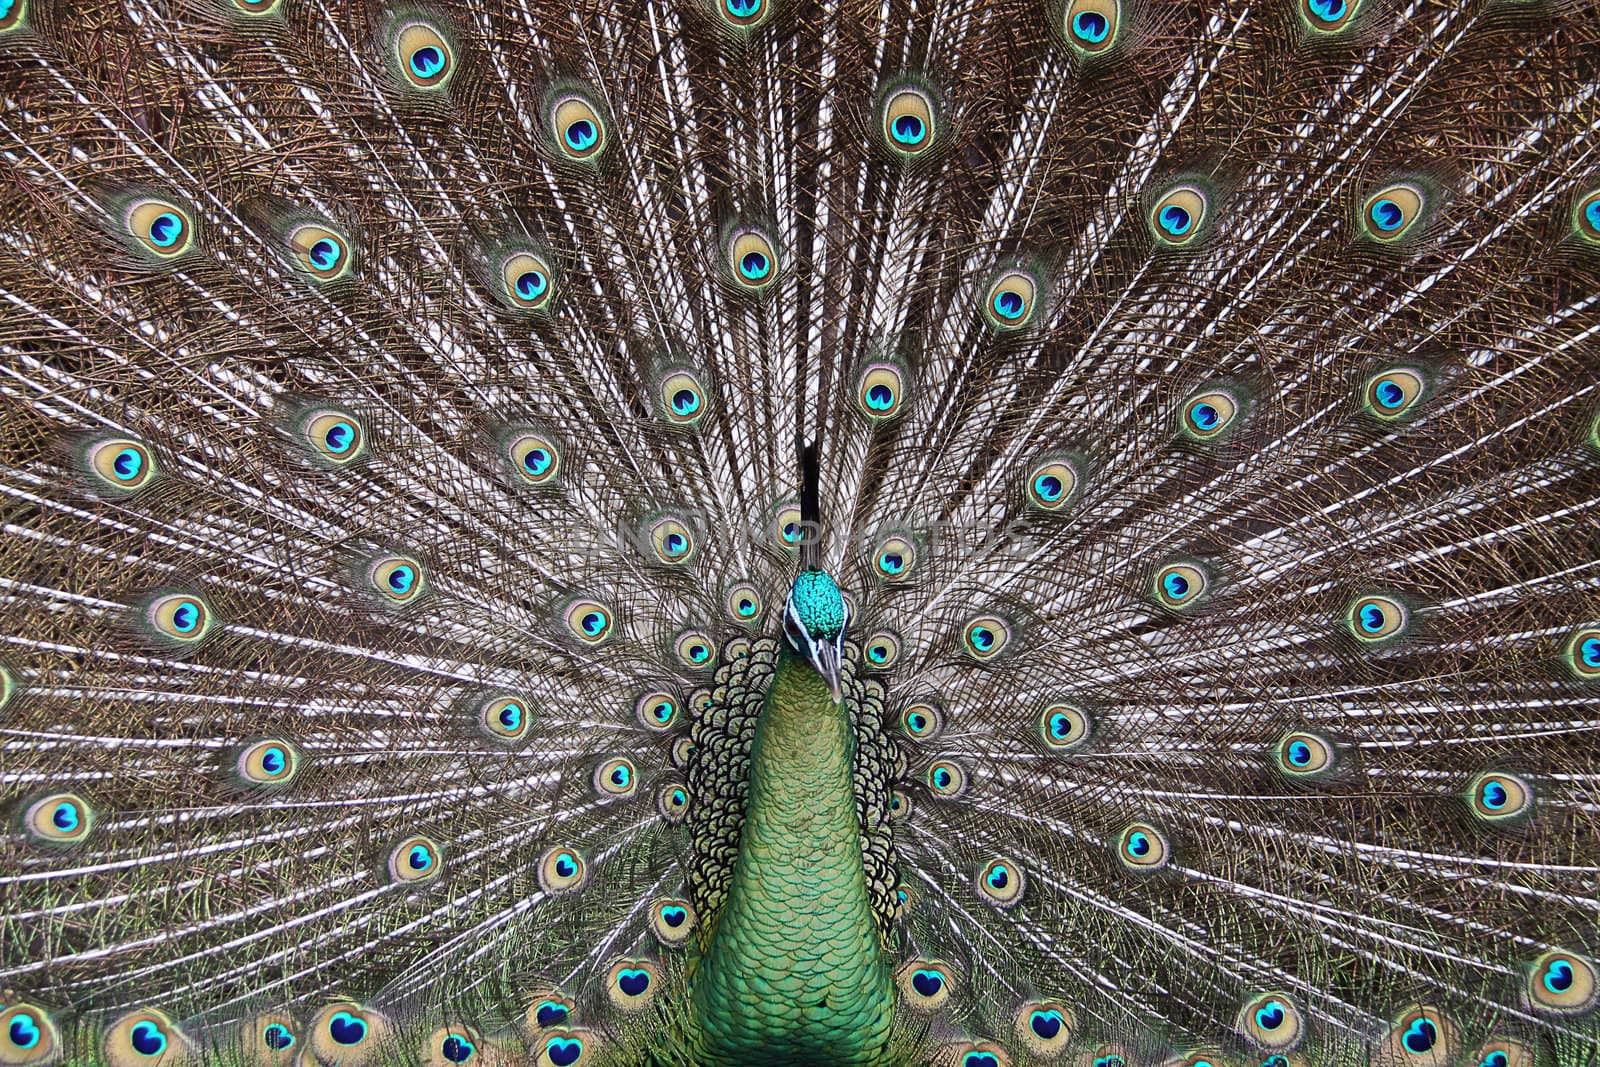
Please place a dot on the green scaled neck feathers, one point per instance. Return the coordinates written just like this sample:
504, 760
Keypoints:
794, 971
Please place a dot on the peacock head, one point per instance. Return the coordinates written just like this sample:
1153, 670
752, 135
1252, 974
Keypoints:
814, 622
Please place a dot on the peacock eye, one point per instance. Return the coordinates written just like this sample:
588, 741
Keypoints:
30, 1035
396, 579
426, 58
454, 1045
1583, 653
504, 718
1376, 619
1419, 1032
335, 437
1001, 882
149, 1036
562, 870
1390, 213
580, 133
1497, 797
1178, 215
527, 281
589, 621
160, 227
1181, 586
672, 920
1586, 216
415, 859
1393, 393
1045, 1027
1302, 754
921, 721
880, 391
894, 559
946, 778
319, 251
752, 260
882, 650
1063, 727
121, 463
744, 602
1142, 848
670, 541
1209, 415
672, 802
744, 14
179, 617
59, 818
1560, 982
1052, 484
683, 399
1329, 16
1271, 1022
985, 637
657, 710
788, 530
909, 125
268, 764
534, 457
631, 984
1091, 25
1009, 302
695, 649
615, 778
925, 984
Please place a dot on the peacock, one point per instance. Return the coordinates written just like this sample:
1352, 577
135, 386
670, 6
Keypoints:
696, 533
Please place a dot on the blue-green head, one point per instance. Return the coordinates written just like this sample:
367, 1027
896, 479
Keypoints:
814, 623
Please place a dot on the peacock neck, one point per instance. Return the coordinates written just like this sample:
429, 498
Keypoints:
794, 970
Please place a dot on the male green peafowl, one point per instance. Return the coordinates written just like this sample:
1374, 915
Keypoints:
1175, 641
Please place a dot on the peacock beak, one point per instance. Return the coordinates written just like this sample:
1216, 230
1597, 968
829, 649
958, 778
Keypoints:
825, 656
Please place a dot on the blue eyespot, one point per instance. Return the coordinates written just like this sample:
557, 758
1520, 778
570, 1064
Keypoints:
1046, 1024
909, 129
581, 135
419, 858
427, 61
1299, 753
1009, 305
1270, 1016
186, 616
65, 817
744, 9
24, 1030
980, 1059
1328, 10
999, 878
982, 638
1138, 844
1386, 214
1090, 27
511, 716
325, 254
166, 229
531, 284
1494, 795
674, 917
563, 1051
566, 866
457, 1049
346, 1029
880, 397
128, 463
1048, 487
1372, 620
1388, 393
1176, 585
550, 1014
1558, 976
1420, 1036
147, 1039
273, 760
633, 982
754, 266
277, 1037
1175, 220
